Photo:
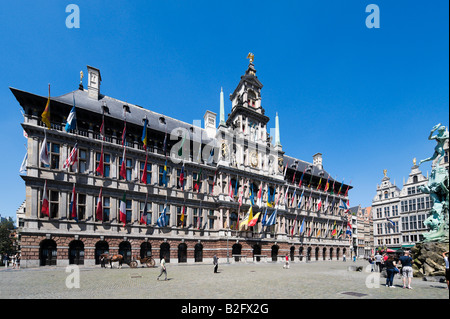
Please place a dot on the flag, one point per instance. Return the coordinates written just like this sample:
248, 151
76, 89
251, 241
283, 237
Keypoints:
286, 196
99, 210
320, 182
214, 182
318, 233
43, 154
165, 145
346, 192
123, 166
230, 191
300, 200
344, 206
144, 172
259, 197
182, 177
325, 207
333, 232
73, 205
164, 177
45, 207
302, 227
247, 218
319, 204
293, 196
180, 150
161, 222
236, 186
339, 191
72, 160
124, 133
301, 179
144, 213
327, 185
391, 223
341, 232
252, 195
144, 133
100, 164
293, 226
270, 198
46, 114
272, 219
349, 229
183, 215
122, 210
264, 220
71, 123
254, 220
211, 156
197, 182
285, 170
23, 167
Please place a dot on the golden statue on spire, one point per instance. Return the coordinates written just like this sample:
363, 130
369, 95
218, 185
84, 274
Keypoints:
251, 56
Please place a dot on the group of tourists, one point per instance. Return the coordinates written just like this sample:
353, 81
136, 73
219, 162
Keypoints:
392, 264
14, 260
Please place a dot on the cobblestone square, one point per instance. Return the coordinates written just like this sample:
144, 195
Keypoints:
312, 280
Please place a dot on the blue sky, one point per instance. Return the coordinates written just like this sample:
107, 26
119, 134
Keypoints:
364, 98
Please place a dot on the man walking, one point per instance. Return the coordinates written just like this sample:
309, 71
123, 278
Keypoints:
407, 271
163, 269
216, 263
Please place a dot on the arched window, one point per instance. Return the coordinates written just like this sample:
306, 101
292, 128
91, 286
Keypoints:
101, 247
125, 251
317, 253
198, 253
331, 253
182, 253
146, 249
275, 252
47, 252
236, 250
76, 252
337, 253
164, 251
300, 252
256, 251
324, 253
292, 253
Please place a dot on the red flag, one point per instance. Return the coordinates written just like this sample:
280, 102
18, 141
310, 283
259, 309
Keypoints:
100, 164
73, 204
45, 209
144, 173
99, 211
123, 167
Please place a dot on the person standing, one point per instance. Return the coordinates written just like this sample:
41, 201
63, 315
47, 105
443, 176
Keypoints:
216, 263
378, 258
344, 257
447, 271
286, 264
391, 268
407, 271
163, 269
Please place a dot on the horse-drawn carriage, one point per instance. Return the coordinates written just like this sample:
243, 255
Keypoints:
148, 261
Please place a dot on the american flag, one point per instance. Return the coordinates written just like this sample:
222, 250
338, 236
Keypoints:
72, 160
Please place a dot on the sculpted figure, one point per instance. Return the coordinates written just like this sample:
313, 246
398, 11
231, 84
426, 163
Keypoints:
440, 138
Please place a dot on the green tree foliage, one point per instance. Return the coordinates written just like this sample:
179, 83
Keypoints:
6, 244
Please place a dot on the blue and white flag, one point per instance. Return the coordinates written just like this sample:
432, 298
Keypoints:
162, 222
272, 219
300, 200
263, 221
23, 167
302, 227
391, 223
71, 119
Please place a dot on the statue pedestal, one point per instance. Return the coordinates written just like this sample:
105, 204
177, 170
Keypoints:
428, 260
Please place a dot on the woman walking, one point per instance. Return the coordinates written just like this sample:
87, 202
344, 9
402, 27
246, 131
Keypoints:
391, 268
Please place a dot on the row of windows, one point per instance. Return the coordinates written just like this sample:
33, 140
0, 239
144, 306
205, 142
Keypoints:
131, 165
201, 217
413, 222
409, 205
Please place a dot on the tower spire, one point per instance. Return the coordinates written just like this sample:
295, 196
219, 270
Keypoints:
222, 108
277, 131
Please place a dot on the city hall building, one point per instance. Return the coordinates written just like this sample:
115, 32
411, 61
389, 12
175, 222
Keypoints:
144, 184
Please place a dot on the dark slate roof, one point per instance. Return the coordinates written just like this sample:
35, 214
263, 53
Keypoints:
115, 110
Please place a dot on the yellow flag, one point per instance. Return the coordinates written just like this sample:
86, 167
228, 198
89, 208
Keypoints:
46, 114
247, 217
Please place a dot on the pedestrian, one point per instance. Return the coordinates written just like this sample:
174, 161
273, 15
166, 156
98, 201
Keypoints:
391, 270
13, 261
5, 260
18, 260
407, 271
378, 259
447, 271
163, 269
371, 262
216, 263
344, 258
286, 264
